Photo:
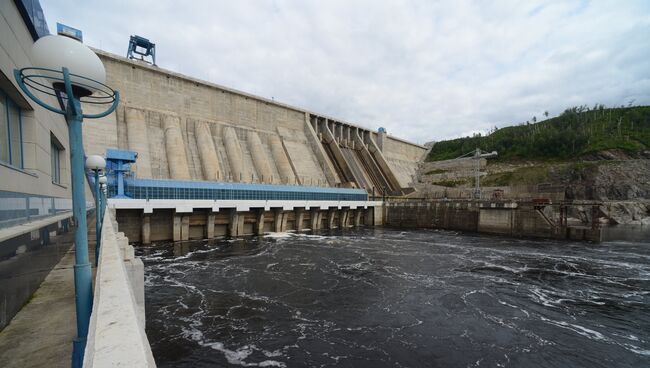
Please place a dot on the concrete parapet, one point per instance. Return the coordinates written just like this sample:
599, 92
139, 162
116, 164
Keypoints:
116, 335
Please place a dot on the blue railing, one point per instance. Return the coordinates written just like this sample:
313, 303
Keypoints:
175, 189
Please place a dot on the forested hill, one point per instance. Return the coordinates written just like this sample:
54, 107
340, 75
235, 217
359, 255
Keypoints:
577, 132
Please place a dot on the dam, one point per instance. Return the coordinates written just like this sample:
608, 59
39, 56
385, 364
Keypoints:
190, 133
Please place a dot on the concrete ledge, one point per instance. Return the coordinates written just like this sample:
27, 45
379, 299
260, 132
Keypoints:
116, 336
188, 205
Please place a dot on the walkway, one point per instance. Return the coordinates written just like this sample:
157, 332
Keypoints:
41, 334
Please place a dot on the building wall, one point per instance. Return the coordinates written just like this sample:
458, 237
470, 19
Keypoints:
28, 252
38, 124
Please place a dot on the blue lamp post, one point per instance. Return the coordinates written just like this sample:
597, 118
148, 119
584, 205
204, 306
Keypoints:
96, 163
103, 180
71, 74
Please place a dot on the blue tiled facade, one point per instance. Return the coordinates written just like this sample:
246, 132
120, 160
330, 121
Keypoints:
174, 189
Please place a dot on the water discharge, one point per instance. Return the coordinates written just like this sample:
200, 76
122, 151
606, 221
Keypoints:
387, 298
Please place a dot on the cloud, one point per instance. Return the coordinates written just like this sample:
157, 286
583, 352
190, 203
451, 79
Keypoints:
424, 70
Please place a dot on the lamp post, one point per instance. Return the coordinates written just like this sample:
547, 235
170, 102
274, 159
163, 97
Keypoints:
96, 163
71, 73
103, 180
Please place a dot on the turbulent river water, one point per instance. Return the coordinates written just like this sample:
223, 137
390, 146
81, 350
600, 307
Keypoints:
389, 298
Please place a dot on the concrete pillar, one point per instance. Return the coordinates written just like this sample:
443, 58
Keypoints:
260, 158
277, 220
146, 228
285, 219
240, 224
381, 139
258, 229
343, 219
281, 160
209, 222
357, 217
175, 147
185, 227
300, 217
348, 136
233, 223
330, 218
315, 220
207, 151
136, 131
235, 156
177, 227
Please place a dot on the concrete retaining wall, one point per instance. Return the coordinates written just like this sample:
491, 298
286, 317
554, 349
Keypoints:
116, 336
499, 218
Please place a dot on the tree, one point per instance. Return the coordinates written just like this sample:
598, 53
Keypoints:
546, 114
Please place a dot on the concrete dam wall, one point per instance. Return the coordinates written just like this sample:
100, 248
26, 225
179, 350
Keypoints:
188, 129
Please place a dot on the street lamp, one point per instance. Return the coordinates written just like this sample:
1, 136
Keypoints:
70, 72
96, 163
103, 180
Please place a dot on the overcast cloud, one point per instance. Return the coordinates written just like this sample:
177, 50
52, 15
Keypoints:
425, 70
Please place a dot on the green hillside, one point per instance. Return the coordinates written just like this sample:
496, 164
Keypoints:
578, 131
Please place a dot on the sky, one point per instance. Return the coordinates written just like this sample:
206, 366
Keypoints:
425, 70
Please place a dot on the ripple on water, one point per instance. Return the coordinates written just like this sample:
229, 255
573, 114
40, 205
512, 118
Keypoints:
384, 298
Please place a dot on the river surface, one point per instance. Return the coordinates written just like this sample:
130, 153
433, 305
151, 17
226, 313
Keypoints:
390, 298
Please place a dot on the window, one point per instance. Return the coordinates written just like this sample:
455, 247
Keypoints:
11, 132
55, 157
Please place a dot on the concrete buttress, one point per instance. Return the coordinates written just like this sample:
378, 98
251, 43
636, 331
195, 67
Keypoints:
260, 158
207, 152
234, 152
175, 147
281, 160
136, 130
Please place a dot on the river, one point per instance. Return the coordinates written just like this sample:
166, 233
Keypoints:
391, 298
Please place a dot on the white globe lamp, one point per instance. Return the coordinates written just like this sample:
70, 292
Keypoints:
57, 52
95, 162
